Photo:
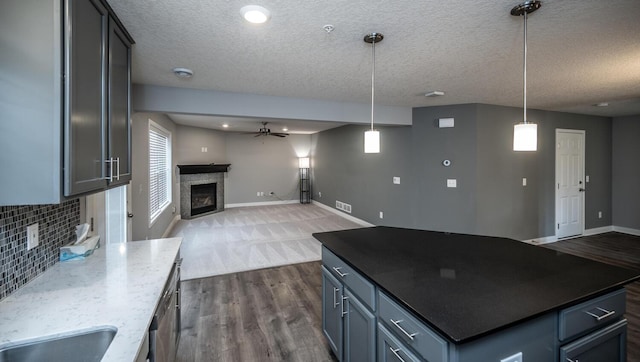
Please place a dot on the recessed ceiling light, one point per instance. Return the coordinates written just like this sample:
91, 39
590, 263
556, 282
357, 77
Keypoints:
183, 72
224, 125
434, 94
255, 14
601, 104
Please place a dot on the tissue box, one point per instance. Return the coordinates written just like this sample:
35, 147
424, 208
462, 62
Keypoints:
80, 250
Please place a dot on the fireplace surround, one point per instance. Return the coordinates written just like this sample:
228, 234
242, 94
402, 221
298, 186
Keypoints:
202, 186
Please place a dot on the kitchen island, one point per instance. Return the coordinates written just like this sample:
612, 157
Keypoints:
119, 287
393, 293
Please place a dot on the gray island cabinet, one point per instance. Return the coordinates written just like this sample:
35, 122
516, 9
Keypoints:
392, 294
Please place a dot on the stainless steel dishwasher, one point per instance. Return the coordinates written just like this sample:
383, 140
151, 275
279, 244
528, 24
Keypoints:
164, 332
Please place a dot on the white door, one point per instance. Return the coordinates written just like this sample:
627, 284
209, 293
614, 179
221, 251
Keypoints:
570, 185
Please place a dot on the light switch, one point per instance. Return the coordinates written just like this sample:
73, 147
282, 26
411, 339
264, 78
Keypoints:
452, 183
587, 178
524, 181
396, 180
204, 149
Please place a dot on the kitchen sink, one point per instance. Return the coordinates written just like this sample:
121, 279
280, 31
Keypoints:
81, 346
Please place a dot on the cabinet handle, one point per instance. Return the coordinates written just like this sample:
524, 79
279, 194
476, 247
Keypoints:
341, 274
571, 360
395, 353
335, 300
607, 313
397, 324
118, 168
342, 310
110, 162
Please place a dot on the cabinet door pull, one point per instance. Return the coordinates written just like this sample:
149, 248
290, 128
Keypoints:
571, 360
335, 300
118, 168
341, 274
397, 324
607, 313
342, 310
395, 353
110, 162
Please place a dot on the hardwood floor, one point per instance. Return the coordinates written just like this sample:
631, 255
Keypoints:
263, 315
275, 314
616, 249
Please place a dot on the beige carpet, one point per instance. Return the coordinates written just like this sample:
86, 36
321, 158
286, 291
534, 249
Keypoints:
249, 238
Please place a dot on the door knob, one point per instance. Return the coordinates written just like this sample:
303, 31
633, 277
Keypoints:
129, 215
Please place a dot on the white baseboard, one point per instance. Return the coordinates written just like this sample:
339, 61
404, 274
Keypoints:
596, 231
542, 240
171, 225
587, 232
263, 203
625, 230
344, 215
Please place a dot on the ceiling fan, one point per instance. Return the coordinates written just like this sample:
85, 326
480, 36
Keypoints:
264, 131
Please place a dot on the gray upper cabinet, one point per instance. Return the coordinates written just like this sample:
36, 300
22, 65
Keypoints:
119, 133
65, 91
85, 89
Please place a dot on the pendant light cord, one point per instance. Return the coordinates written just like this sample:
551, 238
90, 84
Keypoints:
525, 69
373, 75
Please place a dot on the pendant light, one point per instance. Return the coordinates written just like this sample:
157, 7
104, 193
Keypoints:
525, 134
372, 137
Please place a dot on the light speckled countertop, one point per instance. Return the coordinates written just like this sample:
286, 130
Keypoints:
119, 285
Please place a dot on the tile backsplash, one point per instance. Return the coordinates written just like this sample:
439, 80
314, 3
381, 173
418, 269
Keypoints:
56, 224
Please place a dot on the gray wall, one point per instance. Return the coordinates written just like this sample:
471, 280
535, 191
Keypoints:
263, 164
189, 143
504, 205
489, 198
626, 172
342, 171
140, 177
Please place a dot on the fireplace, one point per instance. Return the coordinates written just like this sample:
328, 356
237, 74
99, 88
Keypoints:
203, 198
201, 189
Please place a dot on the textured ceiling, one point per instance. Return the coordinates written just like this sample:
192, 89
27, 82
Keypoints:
581, 52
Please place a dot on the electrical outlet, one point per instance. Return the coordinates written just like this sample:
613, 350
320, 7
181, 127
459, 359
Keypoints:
347, 208
452, 183
381, 215
32, 236
396, 180
599, 214
587, 178
203, 149
319, 194
515, 358
524, 181
258, 193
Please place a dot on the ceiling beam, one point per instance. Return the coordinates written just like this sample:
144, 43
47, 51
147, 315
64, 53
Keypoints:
148, 98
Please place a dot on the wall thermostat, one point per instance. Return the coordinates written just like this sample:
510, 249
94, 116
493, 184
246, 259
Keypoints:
446, 163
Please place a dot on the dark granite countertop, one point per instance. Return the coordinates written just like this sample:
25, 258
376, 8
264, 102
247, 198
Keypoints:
468, 286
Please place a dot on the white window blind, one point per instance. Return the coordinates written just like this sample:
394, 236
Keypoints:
159, 170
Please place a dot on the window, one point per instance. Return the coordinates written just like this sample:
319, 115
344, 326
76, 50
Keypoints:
159, 170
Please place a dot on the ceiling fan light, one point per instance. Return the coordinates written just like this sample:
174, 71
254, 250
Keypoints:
525, 137
372, 142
